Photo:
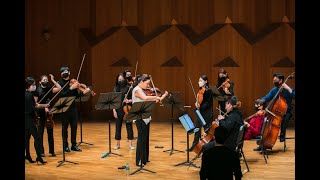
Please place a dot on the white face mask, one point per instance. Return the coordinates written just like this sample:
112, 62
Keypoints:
201, 83
32, 87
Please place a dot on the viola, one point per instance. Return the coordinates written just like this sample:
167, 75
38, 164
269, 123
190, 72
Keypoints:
49, 123
81, 87
126, 110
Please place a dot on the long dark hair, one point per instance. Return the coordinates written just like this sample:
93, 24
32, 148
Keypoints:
223, 71
117, 85
139, 78
205, 78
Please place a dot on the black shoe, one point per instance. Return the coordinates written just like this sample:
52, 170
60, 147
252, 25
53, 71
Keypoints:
53, 154
67, 149
39, 159
257, 148
30, 159
75, 148
43, 155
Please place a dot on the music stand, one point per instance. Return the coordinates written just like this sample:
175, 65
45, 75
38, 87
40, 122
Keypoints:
173, 100
141, 110
108, 101
62, 106
82, 98
190, 128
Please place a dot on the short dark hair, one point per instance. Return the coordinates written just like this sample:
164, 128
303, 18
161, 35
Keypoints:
28, 82
279, 75
220, 134
64, 68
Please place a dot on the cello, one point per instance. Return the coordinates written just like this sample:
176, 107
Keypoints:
278, 108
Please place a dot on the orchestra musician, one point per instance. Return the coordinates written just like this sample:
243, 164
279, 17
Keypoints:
205, 105
122, 86
71, 115
225, 87
254, 124
143, 125
44, 93
30, 108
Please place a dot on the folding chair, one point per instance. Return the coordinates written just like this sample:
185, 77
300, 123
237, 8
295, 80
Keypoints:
239, 148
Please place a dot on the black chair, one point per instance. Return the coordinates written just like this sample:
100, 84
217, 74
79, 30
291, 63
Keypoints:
259, 138
239, 148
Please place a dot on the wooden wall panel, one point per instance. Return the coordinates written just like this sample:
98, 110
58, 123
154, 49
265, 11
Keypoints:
108, 14
67, 44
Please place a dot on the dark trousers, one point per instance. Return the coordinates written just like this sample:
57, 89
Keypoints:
119, 121
285, 121
70, 117
41, 127
142, 153
208, 119
31, 129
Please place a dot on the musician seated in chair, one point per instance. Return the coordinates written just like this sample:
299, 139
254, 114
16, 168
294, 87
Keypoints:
255, 123
288, 94
220, 162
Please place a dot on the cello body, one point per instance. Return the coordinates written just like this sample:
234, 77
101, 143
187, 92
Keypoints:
210, 135
272, 128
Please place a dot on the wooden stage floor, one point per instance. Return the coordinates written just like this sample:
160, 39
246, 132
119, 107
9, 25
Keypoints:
281, 165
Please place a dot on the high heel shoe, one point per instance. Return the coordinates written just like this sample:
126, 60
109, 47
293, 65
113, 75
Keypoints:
30, 159
39, 159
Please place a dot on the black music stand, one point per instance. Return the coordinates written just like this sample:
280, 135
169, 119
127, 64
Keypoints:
109, 101
173, 100
141, 110
82, 98
62, 106
190, 128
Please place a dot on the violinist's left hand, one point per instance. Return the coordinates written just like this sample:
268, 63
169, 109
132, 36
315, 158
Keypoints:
86, 91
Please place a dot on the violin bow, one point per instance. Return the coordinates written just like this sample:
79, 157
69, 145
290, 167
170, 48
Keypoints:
81, 66
135, 75
46, 93
155, 91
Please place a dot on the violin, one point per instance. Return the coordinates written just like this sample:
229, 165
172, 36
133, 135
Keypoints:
81, 87
153, 92
49, 123
126, 110
200, 95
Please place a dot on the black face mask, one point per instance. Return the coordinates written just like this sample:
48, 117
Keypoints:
122, 82
129, 78
45, 84
65, 75
256, 109
222, 79
276, 84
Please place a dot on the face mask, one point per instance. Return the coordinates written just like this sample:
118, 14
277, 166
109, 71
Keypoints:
222, 79
276, 84
45, 84
32, 87
65, 75
201, 83
129, 78
122, 82
256, 108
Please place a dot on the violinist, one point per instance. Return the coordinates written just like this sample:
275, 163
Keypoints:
143, 125
30, 108
288, 94
43, 94
225, 87
122, 85
204, 102
71, 115
254, 124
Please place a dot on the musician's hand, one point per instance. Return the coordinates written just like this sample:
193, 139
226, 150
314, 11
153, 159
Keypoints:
220, 117
46, 109
259, 101
74, 86
226, 90
52, 77
115, 115
197, 105
246, 123
126, 101
158, 99
86, 91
